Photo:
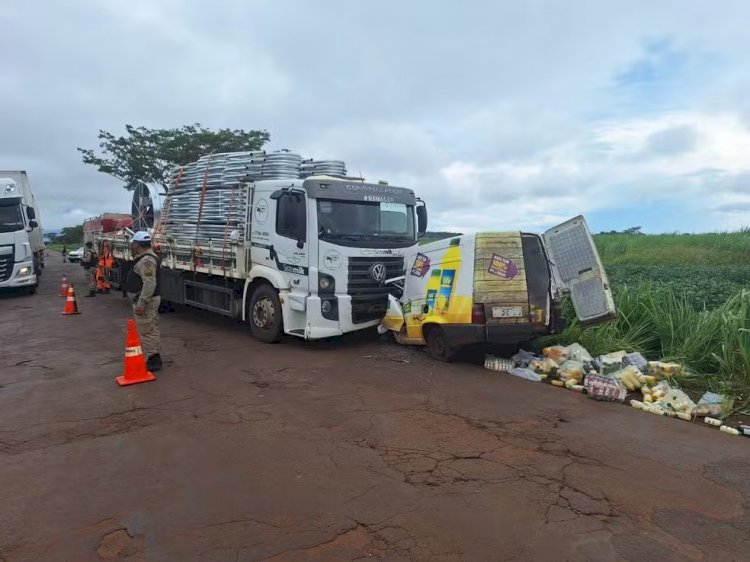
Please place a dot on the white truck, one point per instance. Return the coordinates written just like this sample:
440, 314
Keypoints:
307, 257
21, 239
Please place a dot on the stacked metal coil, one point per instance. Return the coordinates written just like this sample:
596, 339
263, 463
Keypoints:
222, 211
335, 168
207, 200
274, 166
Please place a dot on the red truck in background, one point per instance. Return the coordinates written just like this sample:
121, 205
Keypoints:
106, 222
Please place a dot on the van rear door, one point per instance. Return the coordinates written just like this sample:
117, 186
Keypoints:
579, 269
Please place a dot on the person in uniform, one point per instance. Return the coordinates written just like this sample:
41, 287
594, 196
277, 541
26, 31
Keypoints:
89, 262
143, 288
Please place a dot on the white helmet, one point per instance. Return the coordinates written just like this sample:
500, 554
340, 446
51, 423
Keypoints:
141, 236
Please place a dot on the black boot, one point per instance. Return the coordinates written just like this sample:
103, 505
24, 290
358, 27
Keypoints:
153, 363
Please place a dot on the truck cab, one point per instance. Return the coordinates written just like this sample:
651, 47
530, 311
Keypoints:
328, 245
18, 263
498, 288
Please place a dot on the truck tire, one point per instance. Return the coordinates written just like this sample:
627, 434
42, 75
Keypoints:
438, 346
264, 314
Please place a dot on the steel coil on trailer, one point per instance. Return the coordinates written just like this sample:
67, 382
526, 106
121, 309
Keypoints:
207, 202
336, 168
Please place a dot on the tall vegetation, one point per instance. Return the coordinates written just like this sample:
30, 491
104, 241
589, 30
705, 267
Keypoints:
683, 298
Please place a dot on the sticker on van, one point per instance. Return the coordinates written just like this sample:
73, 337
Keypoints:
502, 267
421, 265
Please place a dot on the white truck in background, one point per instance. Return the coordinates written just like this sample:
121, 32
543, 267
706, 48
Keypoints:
21, 239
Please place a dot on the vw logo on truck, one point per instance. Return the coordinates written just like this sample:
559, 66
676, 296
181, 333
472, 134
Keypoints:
377, 272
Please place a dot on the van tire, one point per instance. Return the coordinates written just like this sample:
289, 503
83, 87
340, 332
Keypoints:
438, 346
264, 314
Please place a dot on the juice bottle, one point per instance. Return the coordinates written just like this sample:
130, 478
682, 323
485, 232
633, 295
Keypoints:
433, 285
451, 263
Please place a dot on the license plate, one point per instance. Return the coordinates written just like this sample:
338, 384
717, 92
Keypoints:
507, 312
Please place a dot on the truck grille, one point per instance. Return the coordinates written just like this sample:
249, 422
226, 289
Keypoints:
6, 264
370, 297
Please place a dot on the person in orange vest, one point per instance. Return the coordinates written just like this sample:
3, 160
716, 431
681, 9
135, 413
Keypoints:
102, 270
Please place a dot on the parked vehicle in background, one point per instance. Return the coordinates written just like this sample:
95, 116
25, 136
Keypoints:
76, 255
498, 288
21, 244
94, 227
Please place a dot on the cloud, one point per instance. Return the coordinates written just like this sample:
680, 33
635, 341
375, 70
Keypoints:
668, 142
499, 115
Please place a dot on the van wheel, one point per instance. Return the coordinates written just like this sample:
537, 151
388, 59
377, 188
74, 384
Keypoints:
437, 344
264, 314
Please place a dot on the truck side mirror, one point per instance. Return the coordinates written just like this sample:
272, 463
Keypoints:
31, 213
33, 224
422, 219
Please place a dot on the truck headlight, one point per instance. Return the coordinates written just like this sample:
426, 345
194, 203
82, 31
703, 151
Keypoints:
24, 272
326, 284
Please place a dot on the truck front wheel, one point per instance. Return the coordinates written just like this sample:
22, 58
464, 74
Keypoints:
438, 346
264, 314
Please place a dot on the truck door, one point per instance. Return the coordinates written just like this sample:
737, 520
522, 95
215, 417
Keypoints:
290, 247
578, 268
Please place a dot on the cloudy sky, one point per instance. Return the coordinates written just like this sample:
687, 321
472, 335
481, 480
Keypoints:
507, 114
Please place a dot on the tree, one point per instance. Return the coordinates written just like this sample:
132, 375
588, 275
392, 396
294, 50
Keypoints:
70, 235
150, 155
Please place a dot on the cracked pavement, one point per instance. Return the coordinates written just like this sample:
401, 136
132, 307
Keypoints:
345, 450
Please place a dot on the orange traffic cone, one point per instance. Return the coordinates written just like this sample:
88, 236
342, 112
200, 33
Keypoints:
71, 305
135, 363
64, 284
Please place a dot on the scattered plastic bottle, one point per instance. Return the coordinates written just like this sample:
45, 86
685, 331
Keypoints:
712, 421
729, 430
492, 363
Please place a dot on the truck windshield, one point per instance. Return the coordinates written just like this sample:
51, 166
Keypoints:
11, 219
357, 221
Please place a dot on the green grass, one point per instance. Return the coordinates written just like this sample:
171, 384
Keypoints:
682, 298
695, 249
58, 247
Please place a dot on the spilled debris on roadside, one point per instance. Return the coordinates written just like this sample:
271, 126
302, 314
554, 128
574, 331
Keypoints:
621, 376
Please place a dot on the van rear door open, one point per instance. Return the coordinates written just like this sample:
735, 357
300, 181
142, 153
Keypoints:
579, 269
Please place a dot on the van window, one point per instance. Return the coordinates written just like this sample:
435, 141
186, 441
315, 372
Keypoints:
537, 270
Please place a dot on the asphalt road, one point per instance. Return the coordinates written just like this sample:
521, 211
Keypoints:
331, 451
